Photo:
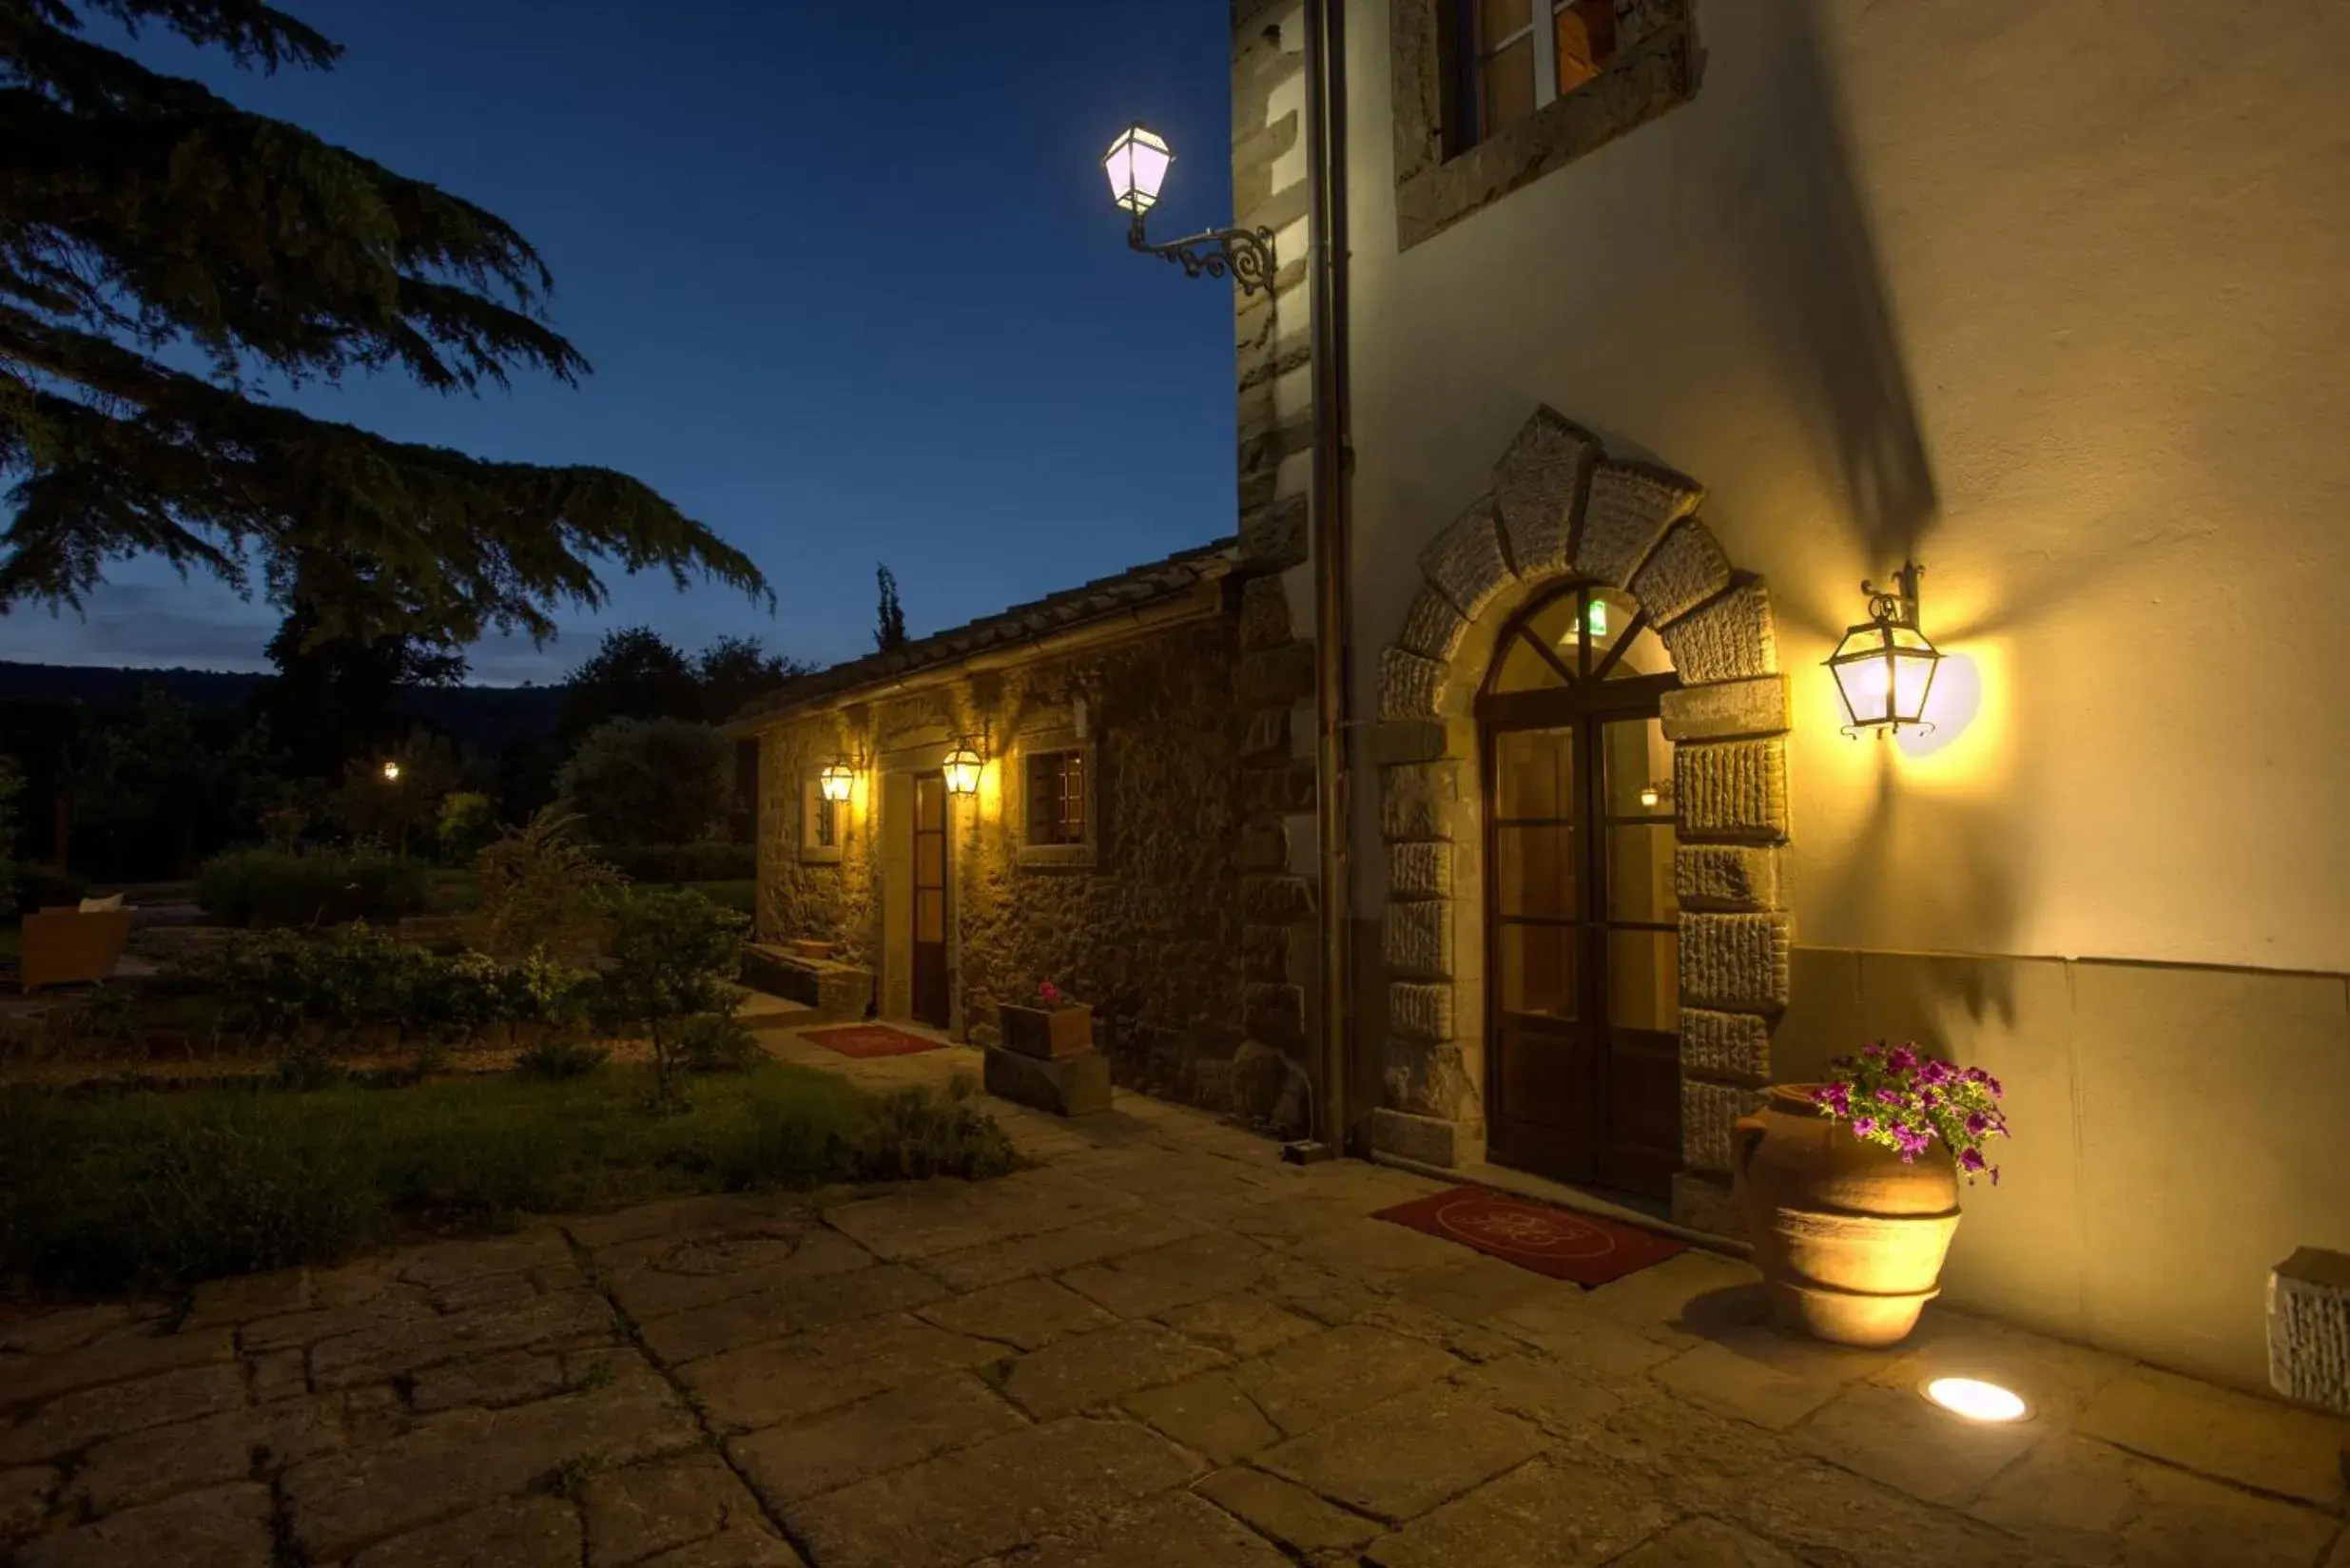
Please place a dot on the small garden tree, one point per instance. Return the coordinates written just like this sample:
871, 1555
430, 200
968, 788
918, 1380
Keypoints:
674, 955
650, 780
377, 803
543, 892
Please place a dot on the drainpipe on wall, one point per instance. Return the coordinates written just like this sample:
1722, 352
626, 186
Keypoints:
1333, 461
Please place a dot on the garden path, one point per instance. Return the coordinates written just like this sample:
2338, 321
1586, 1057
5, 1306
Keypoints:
1159, 1346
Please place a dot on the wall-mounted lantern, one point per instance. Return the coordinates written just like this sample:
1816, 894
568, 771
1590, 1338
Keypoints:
962, 768
1884, 667
1137, 165
836, 780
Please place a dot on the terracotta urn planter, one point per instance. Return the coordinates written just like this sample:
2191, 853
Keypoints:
1849, 1239
1048, 1033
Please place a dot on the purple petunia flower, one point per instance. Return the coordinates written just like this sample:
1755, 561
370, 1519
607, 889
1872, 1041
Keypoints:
1970, 1159
1863, 1126
1977, 1123
1889, 1096
1901, 1058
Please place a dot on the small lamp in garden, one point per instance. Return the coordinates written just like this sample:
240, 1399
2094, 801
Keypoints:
1137, 165
1884, 666
391, 772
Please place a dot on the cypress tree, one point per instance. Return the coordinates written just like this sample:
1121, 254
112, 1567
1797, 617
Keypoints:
140, 215
889, 631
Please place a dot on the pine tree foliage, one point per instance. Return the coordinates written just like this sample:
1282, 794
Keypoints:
890, 630
142, 217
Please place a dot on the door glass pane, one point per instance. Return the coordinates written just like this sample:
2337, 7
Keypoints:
929, 803
1637, 768
1586, 31
1643, 979
1506, 85
1499, 19
1533, 773
1525, 670
1640, 873
1538, 970
929, 860
929, 916
1643, 654
1554, 623
1608, 618
1536, 873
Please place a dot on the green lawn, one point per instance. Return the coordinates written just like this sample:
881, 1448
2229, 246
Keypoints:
126, 1191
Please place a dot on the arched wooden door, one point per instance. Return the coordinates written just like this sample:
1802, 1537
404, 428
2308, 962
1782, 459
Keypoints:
1583, 1069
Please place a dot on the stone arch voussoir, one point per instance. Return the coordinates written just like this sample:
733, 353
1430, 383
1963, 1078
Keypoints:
1561, 507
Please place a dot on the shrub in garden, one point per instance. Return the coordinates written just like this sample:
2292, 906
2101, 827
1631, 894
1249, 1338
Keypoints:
674, 956
465, 825
552, 1061
543, 892
273, 887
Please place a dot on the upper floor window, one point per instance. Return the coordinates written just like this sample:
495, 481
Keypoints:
1057, 797
1517, 56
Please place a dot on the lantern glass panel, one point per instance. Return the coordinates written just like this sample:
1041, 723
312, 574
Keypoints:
1913, 678
1863, 675
962, 768
834, 781
1137, 165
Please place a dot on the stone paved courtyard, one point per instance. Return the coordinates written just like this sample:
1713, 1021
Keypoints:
1160, 1346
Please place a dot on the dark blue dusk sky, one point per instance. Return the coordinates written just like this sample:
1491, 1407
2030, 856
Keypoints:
847, 274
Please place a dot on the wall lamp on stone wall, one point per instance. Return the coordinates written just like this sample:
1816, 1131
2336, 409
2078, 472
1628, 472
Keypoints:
1884, 666
836, 780
1137, 165
962, 768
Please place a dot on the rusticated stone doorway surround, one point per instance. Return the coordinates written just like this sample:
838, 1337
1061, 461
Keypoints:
1561, 508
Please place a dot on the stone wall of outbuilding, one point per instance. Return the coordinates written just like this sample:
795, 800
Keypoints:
1149, 931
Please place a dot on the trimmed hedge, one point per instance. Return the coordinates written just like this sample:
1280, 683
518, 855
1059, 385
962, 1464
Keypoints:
273, 887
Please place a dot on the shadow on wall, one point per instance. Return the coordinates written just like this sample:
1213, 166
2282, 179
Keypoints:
1800, 234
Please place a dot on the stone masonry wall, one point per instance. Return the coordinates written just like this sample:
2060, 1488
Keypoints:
1149, 933
1275, 679
821, 901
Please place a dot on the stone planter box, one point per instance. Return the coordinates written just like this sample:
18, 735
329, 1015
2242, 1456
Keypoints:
1065, 1086
1048, 1033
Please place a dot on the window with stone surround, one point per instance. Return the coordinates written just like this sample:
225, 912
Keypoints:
1055, 811
1492, 94
822, 823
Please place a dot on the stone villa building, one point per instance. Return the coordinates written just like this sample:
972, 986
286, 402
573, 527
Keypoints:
1487, 805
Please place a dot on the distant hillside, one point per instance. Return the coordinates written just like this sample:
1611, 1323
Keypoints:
488, 717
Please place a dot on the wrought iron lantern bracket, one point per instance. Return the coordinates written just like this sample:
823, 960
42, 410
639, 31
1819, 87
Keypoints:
1244, 255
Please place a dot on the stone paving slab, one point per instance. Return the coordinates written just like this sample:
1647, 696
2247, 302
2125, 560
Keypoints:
998, 1495
792, 1380
1172, 1530
640, 1512
224, 1527
72, 1422
763, 1316
1096, 1369
890, 1431
149, 1465
525, 1533
1287, 1514
2251, 1442
1540, 1515
1398, 1460
1025, 1314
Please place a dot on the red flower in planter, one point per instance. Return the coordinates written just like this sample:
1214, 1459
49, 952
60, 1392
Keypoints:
1049, 993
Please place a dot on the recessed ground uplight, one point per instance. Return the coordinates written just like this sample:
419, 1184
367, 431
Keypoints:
1976, 1399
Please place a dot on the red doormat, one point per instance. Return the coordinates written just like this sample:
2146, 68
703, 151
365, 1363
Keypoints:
870, 1040
1558, 1241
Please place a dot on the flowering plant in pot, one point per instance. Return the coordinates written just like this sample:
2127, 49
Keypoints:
1052, 1026
1850, 1187
1903, 1100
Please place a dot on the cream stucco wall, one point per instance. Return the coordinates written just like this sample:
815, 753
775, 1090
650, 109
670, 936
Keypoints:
2049, 294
